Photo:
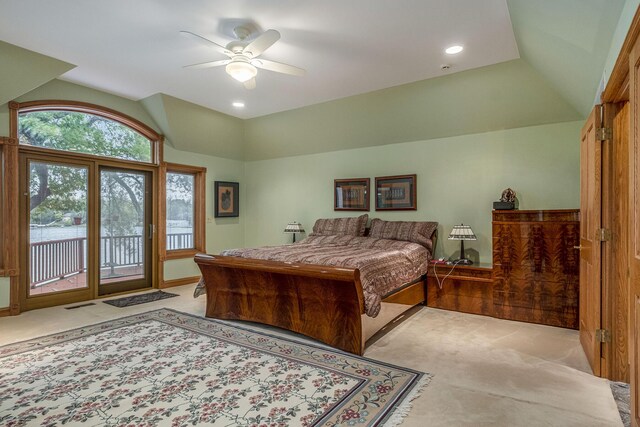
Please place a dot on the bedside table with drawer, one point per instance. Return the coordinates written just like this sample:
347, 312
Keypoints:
467, 288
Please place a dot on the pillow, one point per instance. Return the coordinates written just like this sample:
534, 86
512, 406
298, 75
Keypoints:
411, 231
341, 226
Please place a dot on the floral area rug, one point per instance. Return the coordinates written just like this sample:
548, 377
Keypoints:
173, 369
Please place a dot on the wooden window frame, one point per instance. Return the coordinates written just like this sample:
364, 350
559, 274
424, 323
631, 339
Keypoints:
3, 203
155, 139
9, 233
199, 211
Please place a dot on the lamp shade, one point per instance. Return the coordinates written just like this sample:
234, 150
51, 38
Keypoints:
462, 232
241, 71
294, 227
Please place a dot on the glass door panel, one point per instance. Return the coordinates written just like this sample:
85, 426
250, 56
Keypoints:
57, 227
125, 234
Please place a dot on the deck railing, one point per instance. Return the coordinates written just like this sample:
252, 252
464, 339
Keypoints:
55, 259
120, 251
179, 241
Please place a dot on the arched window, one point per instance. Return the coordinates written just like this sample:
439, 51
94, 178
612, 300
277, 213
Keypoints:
87, 129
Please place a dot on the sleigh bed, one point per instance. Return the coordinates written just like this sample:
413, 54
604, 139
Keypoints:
336, 286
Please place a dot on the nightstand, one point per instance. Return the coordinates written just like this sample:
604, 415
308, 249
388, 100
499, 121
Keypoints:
469, 288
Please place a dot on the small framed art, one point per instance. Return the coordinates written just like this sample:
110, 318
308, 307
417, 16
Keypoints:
226, 199
396, 193
351, 194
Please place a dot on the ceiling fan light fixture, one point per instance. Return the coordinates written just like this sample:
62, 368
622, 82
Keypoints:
241, 71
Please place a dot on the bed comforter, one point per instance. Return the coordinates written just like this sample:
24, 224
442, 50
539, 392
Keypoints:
385, 265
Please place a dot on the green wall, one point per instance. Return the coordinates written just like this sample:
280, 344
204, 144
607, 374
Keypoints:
23, 70
194, 128
458, 179
501, 96
566, 42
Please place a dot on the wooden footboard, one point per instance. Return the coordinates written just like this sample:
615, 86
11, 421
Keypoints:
321, 302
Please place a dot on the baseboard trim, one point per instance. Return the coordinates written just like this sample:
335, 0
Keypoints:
5, 312
179, 282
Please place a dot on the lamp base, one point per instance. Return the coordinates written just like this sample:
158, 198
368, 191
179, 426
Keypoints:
463, 260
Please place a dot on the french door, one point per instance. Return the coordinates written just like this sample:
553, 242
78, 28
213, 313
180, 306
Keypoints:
86, 229
55, 218
126, 232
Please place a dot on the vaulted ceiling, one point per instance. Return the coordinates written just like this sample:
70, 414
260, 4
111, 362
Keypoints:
134, 49
567, 42
524, 63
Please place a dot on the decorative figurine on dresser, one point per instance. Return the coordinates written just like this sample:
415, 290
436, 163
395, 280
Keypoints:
508, 200
536, 267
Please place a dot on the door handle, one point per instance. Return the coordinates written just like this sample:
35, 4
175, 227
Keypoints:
150, 231
578, 247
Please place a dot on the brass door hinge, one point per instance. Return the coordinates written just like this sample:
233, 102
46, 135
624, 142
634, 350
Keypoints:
602, 335
604, 134
603, 234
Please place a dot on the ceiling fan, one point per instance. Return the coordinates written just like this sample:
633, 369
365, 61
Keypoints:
242, 64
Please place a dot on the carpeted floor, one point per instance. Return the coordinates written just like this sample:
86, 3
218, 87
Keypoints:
166, 367
487, 372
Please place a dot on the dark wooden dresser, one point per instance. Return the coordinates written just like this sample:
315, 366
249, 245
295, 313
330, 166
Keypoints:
536, 267
535, 273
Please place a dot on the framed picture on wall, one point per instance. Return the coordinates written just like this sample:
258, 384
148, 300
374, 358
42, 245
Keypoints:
226, 199
351, 194
396, 193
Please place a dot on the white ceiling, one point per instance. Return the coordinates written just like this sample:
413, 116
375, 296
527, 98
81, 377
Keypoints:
133, 48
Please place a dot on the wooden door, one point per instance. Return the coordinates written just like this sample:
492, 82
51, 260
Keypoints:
634, 228
55, 228
590, 220
125, 231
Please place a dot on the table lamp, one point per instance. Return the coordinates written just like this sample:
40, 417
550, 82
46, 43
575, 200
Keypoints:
462, 232
294, 227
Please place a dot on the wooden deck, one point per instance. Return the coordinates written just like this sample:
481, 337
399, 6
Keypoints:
79, 280
60, 265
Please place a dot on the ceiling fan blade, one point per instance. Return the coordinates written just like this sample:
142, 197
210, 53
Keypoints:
278, 67
262, 43
250, 84
207, 42
208, 64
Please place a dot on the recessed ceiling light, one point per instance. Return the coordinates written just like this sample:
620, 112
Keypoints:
238, 104
454, 49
